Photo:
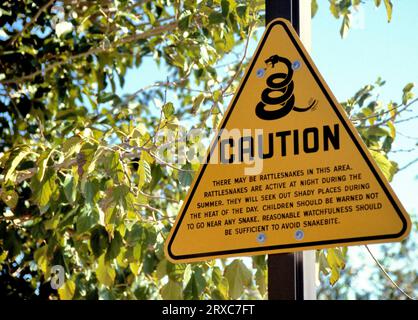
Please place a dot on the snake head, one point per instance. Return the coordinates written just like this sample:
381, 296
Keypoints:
272, 60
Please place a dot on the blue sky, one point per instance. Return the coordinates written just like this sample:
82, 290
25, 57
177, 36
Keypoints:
375, 48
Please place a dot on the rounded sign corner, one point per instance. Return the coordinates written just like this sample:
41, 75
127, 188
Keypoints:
169, 253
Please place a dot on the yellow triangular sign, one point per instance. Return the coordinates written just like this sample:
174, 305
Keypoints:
287, 171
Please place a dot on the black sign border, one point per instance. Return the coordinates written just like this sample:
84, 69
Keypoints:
353, 138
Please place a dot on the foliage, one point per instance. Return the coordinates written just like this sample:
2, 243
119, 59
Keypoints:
345, 8
83, 184
398, 260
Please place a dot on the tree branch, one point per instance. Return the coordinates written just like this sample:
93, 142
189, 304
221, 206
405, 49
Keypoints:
409, 164
397, 112
32, 21
96, 50
388, 276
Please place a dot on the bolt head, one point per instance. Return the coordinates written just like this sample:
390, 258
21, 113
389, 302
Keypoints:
261, 238
299, 235
261, 72
296, 65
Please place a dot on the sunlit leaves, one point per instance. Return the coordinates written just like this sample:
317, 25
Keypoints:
389, 7
407, 94
13, 160
221, 290
144, 173
42, 164
239, 277
168, 110
172, 291
332, 262
86, 220
260, 264
41, 258
66, 292
105, 273
314, 8
345, 8
70, 188
186, 175
196, 285
389, 168
44, 190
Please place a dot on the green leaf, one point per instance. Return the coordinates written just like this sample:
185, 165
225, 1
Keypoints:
335, 276
136, 235
345, 25
43, 191
186, 176
52, 223
216, 18
10, 198
407, 94
222, 287
41, 258
72, 145
144, 173
105, 273
377, 2
196, 285
42, 164
314, 8
336, 263
86, 220
91, 191
114, 247
16, 156
70, 188
187, 274
242, 11
66, 292
168, 110
184, 22
222, 290
408, 87
107, 97
99, 241
162, 269
216, 275
377, 131
239, 278
197, 102
322, 262
389, 168
334, 9
225, 7
172, 291
392, 129
261, 281
389, 6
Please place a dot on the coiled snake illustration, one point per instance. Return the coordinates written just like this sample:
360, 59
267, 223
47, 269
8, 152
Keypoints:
286, 101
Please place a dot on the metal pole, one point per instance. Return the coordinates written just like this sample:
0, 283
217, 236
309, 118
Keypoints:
286, 271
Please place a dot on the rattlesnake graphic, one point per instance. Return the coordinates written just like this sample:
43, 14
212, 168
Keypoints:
286, 101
